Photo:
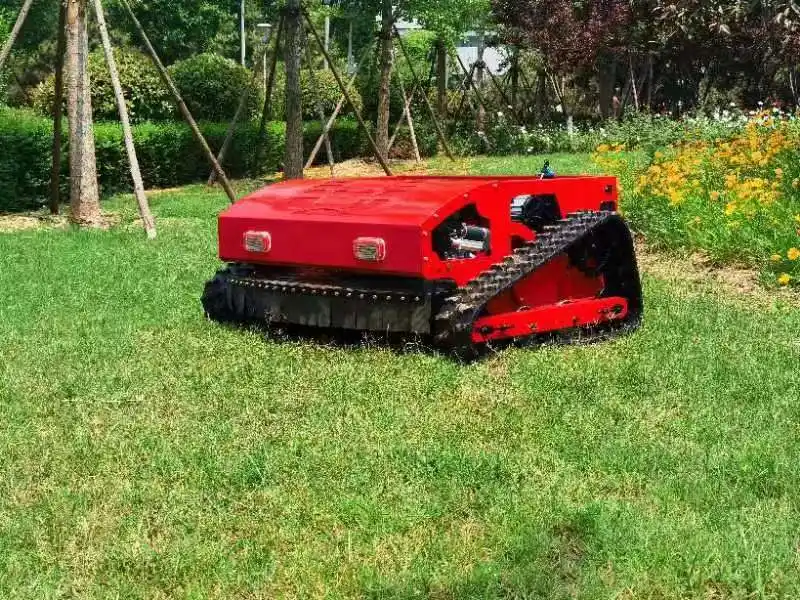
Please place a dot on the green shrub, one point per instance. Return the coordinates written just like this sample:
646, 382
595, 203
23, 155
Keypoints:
327, 91
212, 86
323, 89
26, 140
146, 95
168, 154
347, 140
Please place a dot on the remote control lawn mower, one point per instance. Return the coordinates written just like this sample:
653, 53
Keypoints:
464, 261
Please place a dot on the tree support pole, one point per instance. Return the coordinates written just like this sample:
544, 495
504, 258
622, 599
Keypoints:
466, 86
339, 106
212, 178
320, 109
439, 131
335, 71
471, 82
402, 118
136, 174
410, 119
187, 115
12, 38
504, 96
58, 111
267, 112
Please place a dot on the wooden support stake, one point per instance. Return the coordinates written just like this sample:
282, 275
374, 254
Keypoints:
12, 38
320, 109
266, 113
212, 178
437, 124
58, 111
503, 95
339, 106
335, 71
407, 111
402, 118
478, 94
187, 115
465, 86
127, 134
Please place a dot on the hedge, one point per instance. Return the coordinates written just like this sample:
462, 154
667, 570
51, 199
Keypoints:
167, 152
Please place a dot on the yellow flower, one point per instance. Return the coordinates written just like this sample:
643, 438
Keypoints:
730, 208
603, 148
776, 258
793, 254
779, 172
785, 279
715, 196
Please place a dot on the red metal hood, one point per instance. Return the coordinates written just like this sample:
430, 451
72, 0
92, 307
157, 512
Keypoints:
386, 200
317, 222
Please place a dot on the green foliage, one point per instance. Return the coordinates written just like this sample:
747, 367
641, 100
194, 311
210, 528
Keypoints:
212, 86
145, 94
168, 154
504, 137
26, 140
347, 140
736, 200
180, 29
326, 90
451, 18
322, 89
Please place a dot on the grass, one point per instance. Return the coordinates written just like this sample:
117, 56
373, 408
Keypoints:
147, 453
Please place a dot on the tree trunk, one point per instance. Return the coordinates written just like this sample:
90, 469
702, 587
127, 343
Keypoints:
479, 72
127, 134
384, 98
606, 79
58, 111
293, 52
441, 78
84, 192
542, 111
515, 80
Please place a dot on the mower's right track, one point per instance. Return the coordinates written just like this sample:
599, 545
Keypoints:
595, 233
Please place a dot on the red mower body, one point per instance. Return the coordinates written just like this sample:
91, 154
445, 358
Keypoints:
315, 223
533, 246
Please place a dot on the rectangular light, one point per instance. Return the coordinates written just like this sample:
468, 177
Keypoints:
259, 242
369, 249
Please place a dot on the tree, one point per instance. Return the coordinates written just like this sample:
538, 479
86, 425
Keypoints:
384, 86
84, 192
293, 53
571, 36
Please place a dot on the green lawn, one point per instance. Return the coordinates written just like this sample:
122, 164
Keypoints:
147, 453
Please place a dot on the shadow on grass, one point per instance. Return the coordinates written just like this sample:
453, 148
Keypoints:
403, 344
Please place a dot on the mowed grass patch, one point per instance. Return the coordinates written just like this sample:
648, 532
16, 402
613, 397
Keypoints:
149, 453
